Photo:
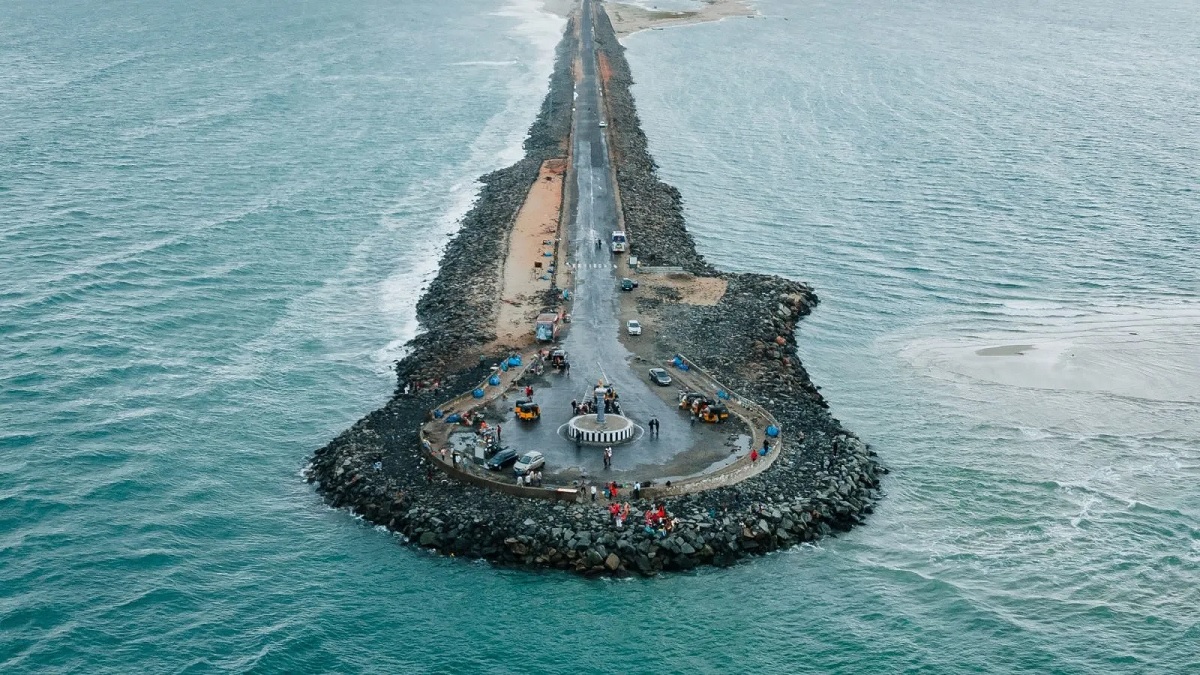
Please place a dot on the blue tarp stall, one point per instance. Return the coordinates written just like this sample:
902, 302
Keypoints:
453, 418
772, 431
478, 393
514, 360
437, 414
721, 393
504, 365
680, 363
494, 380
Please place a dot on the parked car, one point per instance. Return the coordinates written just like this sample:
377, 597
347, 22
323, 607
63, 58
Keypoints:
660, 377
603, 124
501, 459
530, 461
628, 284
633, 327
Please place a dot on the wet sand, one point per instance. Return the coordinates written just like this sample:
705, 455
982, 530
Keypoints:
629, 19
1005, 350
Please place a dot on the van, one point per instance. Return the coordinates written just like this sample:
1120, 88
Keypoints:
620, 242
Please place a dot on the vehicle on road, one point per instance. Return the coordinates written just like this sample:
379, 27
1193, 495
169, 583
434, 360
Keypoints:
501, 459
714, 414
530, 461
628, 284
603, 124
528, 411
620, 241
633, 327
660, 377
546, 327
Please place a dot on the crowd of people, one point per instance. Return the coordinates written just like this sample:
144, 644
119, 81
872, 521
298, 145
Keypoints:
531, 479
658, 521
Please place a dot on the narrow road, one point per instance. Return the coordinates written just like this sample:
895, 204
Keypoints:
592, 344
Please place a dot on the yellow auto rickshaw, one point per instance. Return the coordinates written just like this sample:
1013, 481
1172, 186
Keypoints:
527, 411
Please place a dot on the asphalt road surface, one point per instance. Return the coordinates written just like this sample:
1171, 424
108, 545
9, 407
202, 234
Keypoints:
591, 342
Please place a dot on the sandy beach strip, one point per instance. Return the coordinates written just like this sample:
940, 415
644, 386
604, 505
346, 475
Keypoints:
628, 19
525, 275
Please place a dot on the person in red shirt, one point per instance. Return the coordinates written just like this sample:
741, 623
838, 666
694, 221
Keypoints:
754, 455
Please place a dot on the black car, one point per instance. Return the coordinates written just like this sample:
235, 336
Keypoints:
502, 459
628, 284
660, 377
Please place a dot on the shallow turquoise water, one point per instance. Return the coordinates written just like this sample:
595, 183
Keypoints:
216, 220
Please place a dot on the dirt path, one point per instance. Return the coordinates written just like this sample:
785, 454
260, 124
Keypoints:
525, 275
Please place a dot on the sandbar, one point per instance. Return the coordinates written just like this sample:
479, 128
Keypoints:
1005, 350
628, 19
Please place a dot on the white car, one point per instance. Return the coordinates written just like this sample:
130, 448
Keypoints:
633, 327
530, 461
603, 124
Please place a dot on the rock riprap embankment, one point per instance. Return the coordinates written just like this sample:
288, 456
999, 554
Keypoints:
825, 480
653, 210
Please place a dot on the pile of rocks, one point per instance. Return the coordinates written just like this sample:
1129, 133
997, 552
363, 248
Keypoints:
653, 210
825, 479
462, 300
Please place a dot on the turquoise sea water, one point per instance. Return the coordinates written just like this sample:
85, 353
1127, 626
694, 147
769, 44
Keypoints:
215, 219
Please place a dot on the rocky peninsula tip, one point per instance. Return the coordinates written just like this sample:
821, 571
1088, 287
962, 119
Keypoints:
704, 496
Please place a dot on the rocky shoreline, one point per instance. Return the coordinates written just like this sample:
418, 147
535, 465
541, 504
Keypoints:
825, 480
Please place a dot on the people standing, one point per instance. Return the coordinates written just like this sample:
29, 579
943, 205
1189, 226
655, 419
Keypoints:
529, 391
574, 407
754, 455
593, 493
497, 433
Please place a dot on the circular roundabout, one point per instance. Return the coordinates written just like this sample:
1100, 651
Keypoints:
609, 430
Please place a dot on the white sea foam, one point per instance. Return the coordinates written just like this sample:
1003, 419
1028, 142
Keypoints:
499, 144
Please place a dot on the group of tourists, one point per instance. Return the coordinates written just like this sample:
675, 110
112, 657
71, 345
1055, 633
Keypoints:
652, 425
531, 479
611, 490
619, 513
658, 521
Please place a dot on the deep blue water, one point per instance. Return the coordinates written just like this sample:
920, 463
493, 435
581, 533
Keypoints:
215, 219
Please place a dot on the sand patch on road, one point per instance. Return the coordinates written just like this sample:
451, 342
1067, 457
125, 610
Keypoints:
525, 274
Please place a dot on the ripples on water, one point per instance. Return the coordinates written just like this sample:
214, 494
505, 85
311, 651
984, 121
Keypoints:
955, 179
216, 220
